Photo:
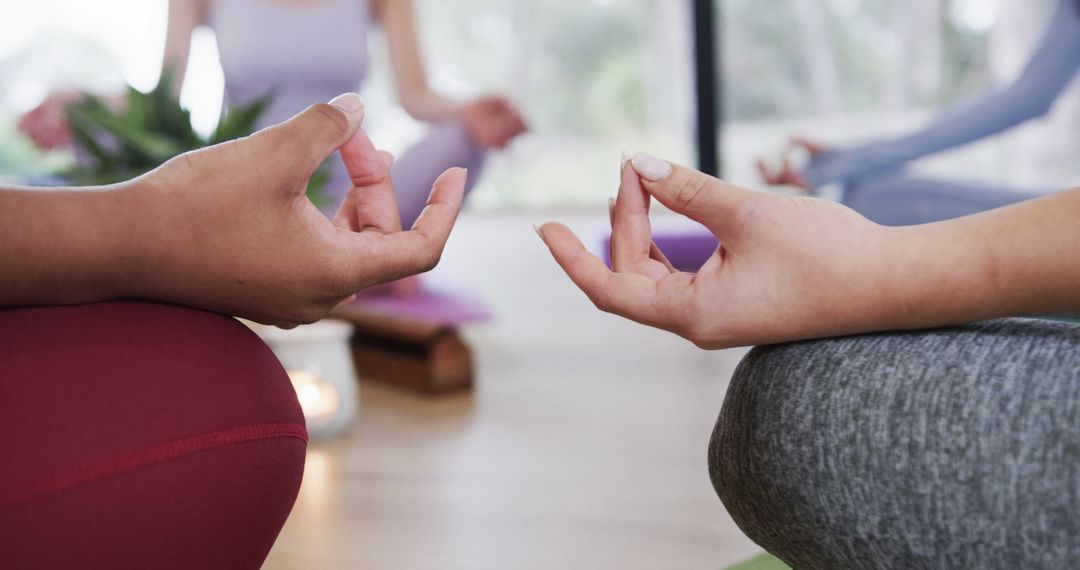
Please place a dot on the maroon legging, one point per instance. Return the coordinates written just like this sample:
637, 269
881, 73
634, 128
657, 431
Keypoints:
137, 435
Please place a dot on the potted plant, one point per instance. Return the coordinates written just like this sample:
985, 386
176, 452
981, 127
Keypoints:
117, 145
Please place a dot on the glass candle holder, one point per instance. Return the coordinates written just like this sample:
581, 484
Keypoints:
320, 365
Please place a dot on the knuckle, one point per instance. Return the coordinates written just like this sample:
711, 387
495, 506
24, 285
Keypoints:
691, 190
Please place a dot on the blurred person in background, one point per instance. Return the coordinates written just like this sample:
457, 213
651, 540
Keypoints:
873, 175
304, 51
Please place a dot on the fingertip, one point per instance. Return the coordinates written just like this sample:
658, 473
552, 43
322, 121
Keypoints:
352, 105
547, 228
650, 167
453, 178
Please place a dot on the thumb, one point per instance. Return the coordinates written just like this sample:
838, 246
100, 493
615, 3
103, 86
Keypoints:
303, 142
698, 196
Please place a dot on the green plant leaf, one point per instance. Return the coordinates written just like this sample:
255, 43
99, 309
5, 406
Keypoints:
138, 109
82, 130
317, 183
147, 147
169, 116
152, 129
240, 121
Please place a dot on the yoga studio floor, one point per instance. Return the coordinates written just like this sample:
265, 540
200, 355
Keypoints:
583, 445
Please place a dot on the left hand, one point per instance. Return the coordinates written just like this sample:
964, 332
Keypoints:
493, 121
789, 268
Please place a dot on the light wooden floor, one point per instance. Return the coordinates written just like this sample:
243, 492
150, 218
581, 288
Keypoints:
583, 446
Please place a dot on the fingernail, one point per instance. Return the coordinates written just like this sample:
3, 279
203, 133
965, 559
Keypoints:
348, 102
625, 159
650, 167
538, 231
611, 203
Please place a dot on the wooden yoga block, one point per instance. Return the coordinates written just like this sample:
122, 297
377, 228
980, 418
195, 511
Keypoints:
410, 352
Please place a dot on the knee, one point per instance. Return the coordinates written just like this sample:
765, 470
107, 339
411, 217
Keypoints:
453, 140
836, 452
140, 368
771, 452
750, 454
157, 423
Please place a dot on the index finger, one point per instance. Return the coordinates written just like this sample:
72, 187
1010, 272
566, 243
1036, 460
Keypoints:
401, 254
625, 294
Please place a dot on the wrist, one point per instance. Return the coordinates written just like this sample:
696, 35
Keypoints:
128, 237
936, 277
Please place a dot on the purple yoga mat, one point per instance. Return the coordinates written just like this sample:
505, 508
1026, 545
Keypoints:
687, 251
433, 306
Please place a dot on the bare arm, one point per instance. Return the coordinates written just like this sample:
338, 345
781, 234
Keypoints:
227, 228
398, 19
184, 17
493, 121
1048, 73
798, 268
1019, 260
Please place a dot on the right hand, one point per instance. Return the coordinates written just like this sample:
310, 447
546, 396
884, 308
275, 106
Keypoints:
47, 124
229, 227
786, 174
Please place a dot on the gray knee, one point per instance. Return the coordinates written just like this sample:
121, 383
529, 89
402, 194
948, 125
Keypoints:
757, 451
953, 447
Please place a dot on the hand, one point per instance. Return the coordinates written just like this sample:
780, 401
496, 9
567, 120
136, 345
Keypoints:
229, 228
46, 124
493, 121
788, 175
788, 268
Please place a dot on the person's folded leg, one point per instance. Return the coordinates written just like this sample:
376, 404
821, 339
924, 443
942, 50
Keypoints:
951, 448
447, 145
137, 435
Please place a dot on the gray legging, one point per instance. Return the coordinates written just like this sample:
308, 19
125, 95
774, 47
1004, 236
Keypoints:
950, 448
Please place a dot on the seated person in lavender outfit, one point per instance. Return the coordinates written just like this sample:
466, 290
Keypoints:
872, 174
312, 50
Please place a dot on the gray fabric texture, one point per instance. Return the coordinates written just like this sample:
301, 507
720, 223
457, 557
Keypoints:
948, 448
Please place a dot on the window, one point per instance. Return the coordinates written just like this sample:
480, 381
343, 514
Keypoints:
594, 77
847, 70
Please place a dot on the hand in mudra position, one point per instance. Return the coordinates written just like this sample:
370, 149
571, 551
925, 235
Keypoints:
228, 228
788, 267
278, 259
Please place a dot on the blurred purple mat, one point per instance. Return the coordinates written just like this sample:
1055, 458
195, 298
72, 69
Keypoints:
432, 306
687, 251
